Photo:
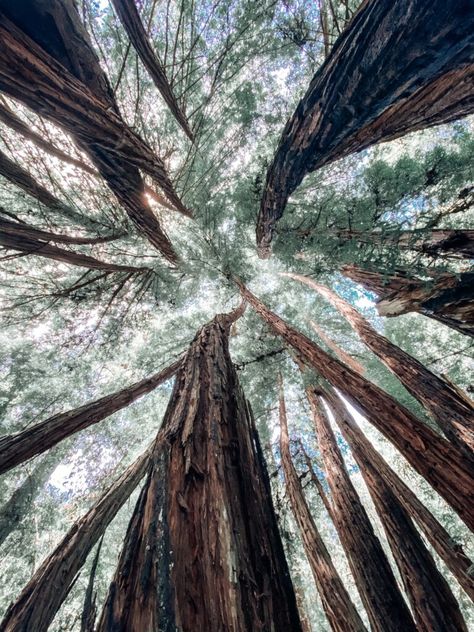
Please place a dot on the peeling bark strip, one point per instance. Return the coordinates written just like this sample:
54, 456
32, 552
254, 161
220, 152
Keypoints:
433, 604
447, 297
449, 472
452, 412
16, 448
338, 607
449, 551
373, 575
203, 550
29, 74
131, 22
42, 597
398, 67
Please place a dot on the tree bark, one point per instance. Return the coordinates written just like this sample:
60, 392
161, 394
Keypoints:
342, 355
398, 67
373, 575
19, 447
89, 611
448, 471
131, 22
448, 298
203, 551
42, 597
434, 607
33, 76
338, 607
451, 411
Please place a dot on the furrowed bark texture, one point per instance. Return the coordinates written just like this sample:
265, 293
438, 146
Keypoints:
20, 229
36, 69
131, 22
448, 471
449, 551
397, 67
19, 447
433, 604
203, 550
452, 412
338, 607
448, 298
373, 575
42, 597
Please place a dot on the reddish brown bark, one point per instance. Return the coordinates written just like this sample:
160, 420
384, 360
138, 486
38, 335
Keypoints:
446, 297
32, 75
397, 67
453, 412
42, 597
130, 19
338, 607
434, 607
342, 355
448, 471
373, 576
202, 551
16, 448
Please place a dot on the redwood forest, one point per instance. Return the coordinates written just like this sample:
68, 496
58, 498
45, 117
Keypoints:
236, 315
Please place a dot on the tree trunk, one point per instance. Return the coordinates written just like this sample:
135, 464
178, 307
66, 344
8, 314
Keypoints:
42, 597
342, 355
29, 74
131, 22
338, 607
203, 551
89, 611
373, 575
447, 297
19, 447
449, 472
452, 412
434, 607
398, 67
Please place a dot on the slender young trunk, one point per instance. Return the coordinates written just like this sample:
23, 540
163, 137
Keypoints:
338, 607
131, 22
448, 298
374, 87
452, 412
433, 604
203, 551
89, 611
373, 575
42, 597
19, 447
448, 471
20, 229
342, 355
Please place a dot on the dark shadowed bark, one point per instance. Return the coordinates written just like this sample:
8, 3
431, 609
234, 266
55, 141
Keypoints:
433, 604
338, 607
202, 551
446, 297
373, 575
397, 67
130, 19
449, 472
32, 74
89, 611
452, 412
42, 597
16, 448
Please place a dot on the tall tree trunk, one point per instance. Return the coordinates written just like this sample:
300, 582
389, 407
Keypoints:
448, 471
89, 611
434, 607
130, 19
42, 597
31, 75
340, 353
373, 575
397, 67
338, 607
19, 447
452, 412
446, 297
203, 551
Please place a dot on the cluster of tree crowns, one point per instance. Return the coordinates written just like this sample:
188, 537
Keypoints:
142, 144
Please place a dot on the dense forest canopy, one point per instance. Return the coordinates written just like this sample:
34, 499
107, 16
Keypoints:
143, 146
